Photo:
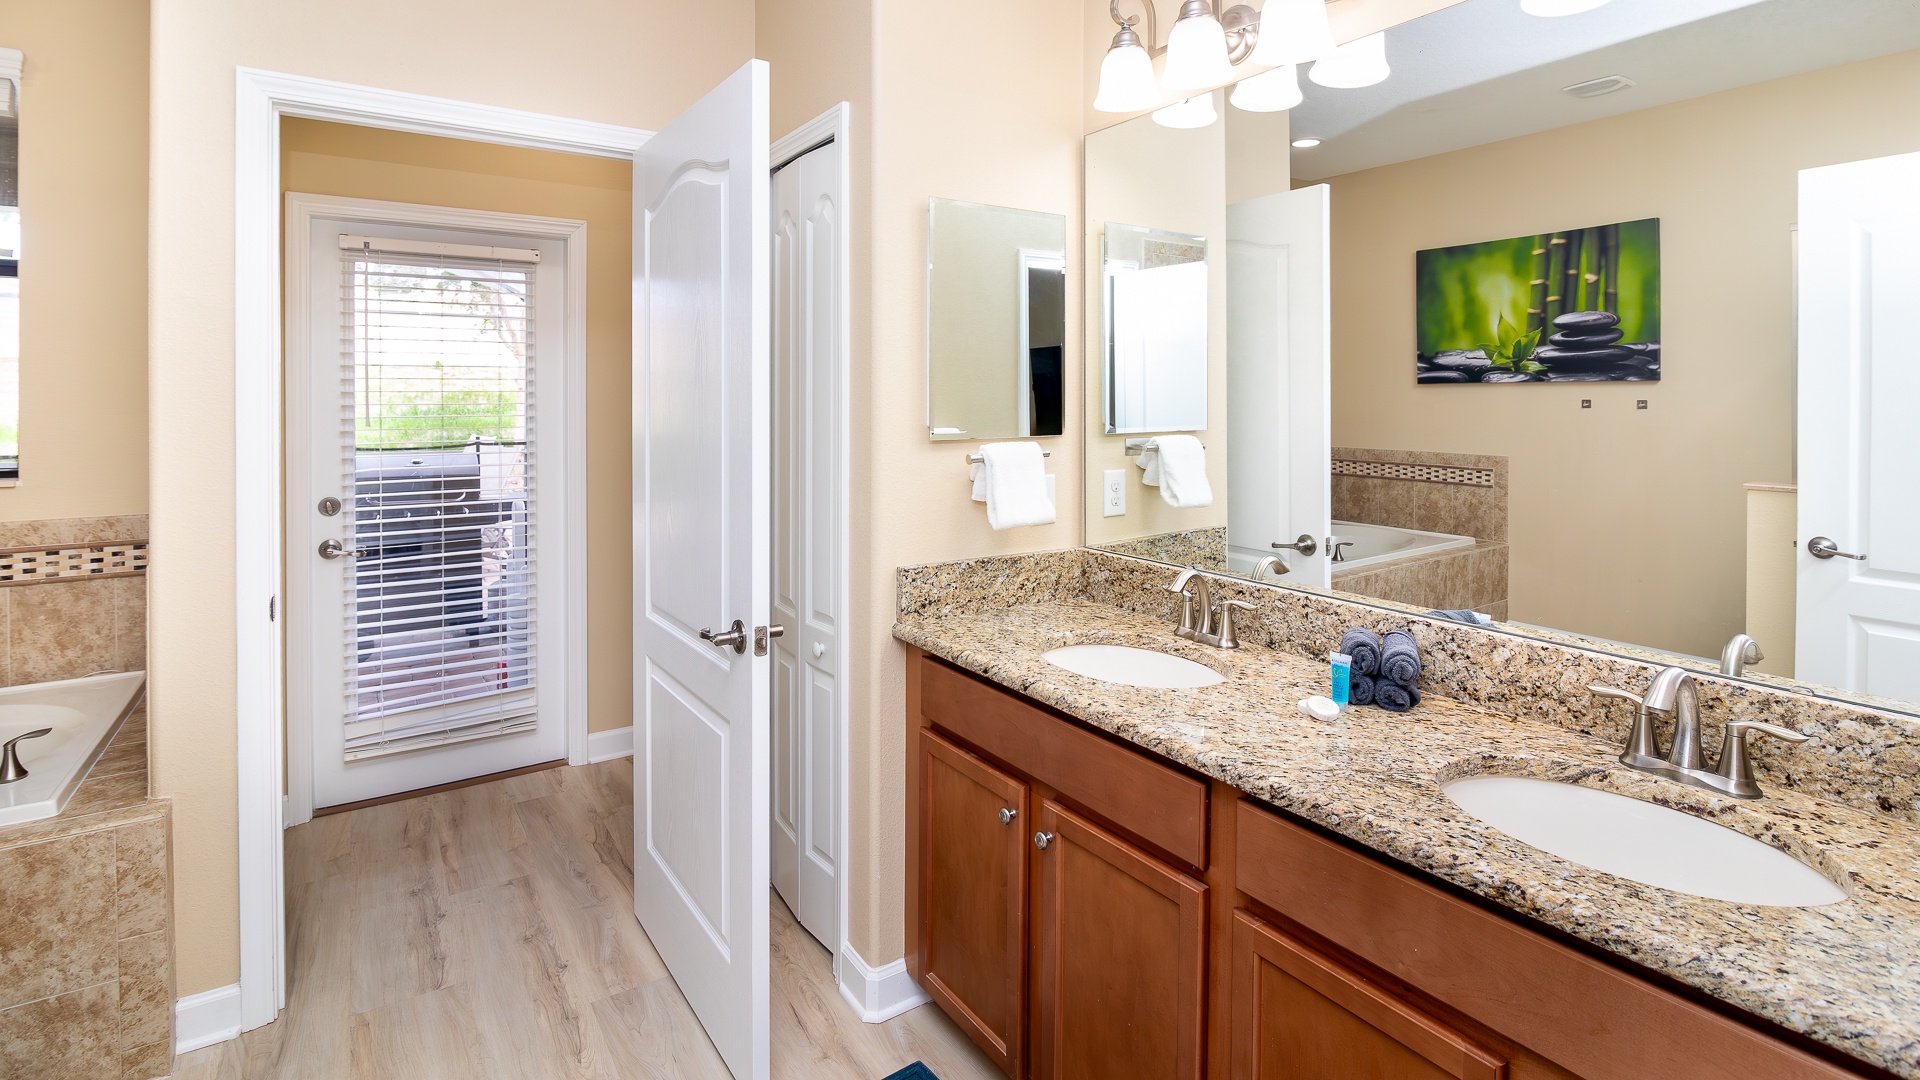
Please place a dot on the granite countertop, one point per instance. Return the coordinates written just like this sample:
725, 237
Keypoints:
1846, 974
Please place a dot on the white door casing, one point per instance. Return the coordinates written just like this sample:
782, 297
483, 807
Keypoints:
316, 774
808, 555
1858, 621
701, 521
1279, 360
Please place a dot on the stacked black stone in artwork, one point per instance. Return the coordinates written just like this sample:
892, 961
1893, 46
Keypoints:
1585, 347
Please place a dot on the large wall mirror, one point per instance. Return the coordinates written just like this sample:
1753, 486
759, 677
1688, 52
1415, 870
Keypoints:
996, 322
1592, 325
9, 265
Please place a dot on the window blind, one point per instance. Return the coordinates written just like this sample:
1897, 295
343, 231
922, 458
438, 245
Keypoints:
438, 437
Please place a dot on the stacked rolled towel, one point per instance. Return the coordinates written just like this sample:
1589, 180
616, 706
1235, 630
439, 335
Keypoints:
1396, 690
1363, 646
1361, 688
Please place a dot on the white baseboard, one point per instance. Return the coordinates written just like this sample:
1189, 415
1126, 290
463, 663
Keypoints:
607, 745
206, 1018
877, 993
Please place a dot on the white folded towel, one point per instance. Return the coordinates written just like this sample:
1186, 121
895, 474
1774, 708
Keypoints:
1177, 465
1012, 481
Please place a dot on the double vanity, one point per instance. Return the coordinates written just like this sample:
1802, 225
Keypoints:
1131, 854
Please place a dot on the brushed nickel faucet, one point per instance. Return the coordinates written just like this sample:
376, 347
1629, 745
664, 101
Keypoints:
11, 771
1269, 563
1201, 619
1740, 652
1673, 694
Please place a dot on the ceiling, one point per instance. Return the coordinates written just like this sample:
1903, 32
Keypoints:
1484, 70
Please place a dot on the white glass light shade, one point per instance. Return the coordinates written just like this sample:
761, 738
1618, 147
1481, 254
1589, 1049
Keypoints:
1126, 79
1197, 55
1293, 32
1551, 8
1194, 112
1269, 91
1361, 62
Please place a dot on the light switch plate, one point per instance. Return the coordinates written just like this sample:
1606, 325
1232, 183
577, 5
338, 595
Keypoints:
1115, 486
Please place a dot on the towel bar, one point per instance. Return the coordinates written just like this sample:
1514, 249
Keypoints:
1136, 447
976, 459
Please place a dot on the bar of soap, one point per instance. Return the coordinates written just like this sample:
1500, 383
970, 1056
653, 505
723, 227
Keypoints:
1320, 708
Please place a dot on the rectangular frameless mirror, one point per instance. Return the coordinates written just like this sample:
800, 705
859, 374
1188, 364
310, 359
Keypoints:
1553, 326
996, 321
1156, 329
9, 265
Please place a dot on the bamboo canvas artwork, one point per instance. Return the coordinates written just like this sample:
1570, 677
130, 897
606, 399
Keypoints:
1575, 306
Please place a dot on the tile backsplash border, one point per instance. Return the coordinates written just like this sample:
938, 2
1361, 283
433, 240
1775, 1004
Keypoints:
1860, 757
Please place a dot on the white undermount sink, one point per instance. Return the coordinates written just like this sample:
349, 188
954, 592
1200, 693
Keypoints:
1129, 666
1642, 842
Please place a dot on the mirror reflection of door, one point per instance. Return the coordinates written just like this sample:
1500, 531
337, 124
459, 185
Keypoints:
10, 67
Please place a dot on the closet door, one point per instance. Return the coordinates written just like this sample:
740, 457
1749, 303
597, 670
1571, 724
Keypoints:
973, 896
1120, 942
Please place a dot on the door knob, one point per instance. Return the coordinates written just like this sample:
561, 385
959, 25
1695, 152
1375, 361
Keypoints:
1007, 814
1042, 839
1305, 545
734, 637
334, 549
1823, 547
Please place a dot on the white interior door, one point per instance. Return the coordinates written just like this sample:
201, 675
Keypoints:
426, 500
1279, 361
701, 511
808, 463
1859, 619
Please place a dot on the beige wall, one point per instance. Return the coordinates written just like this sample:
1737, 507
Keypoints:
83, 283
637, 62
1772, 581
366, 163
1592, 488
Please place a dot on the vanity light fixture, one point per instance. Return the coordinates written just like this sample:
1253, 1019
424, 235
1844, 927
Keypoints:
1193, 112
1360, 62
1270, 91
1307, 143
1126, 75
1554, 8
1197, 50
1293, 32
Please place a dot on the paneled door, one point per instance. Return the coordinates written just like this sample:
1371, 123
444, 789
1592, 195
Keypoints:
1859, 535
701, 517
427, 470
808, 506
1279, 364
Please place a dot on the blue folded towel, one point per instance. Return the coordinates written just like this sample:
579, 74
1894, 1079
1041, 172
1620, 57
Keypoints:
1400, 657
1394, 697
1360, 689
1363, 646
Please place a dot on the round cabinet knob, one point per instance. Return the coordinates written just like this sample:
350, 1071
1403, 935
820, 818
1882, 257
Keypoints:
1042, 839
1007, 814
819, 649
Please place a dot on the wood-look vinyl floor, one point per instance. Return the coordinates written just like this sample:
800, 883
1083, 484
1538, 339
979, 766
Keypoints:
489, 933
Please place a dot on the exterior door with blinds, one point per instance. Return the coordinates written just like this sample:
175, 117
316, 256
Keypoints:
431, 506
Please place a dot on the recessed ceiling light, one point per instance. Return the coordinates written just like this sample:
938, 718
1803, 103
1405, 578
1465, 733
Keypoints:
1306, 144
1552, 8
1606, 84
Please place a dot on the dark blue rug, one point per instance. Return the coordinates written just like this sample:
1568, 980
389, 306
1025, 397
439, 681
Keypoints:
916, 1071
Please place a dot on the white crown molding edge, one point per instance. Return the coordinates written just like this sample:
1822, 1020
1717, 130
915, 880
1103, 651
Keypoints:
877, 994
211, 1016
608, 745
261, 99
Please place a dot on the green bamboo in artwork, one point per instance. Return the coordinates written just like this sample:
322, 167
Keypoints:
1610, 257
1556, 277
1570, 287
1538, 288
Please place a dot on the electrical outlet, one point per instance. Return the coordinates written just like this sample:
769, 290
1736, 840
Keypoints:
1115, 484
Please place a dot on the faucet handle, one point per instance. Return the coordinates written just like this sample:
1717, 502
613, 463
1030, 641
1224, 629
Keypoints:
1734, 766
1642, 749
1227, 638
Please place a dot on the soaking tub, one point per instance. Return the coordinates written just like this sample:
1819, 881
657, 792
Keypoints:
84, 715
1373, 544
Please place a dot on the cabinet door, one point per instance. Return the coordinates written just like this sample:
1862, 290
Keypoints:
1301, 1014
973, 897
1121, 945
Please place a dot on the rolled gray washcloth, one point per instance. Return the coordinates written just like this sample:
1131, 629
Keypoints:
1394, 697
1363, 645
1400, 657
1361, 688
